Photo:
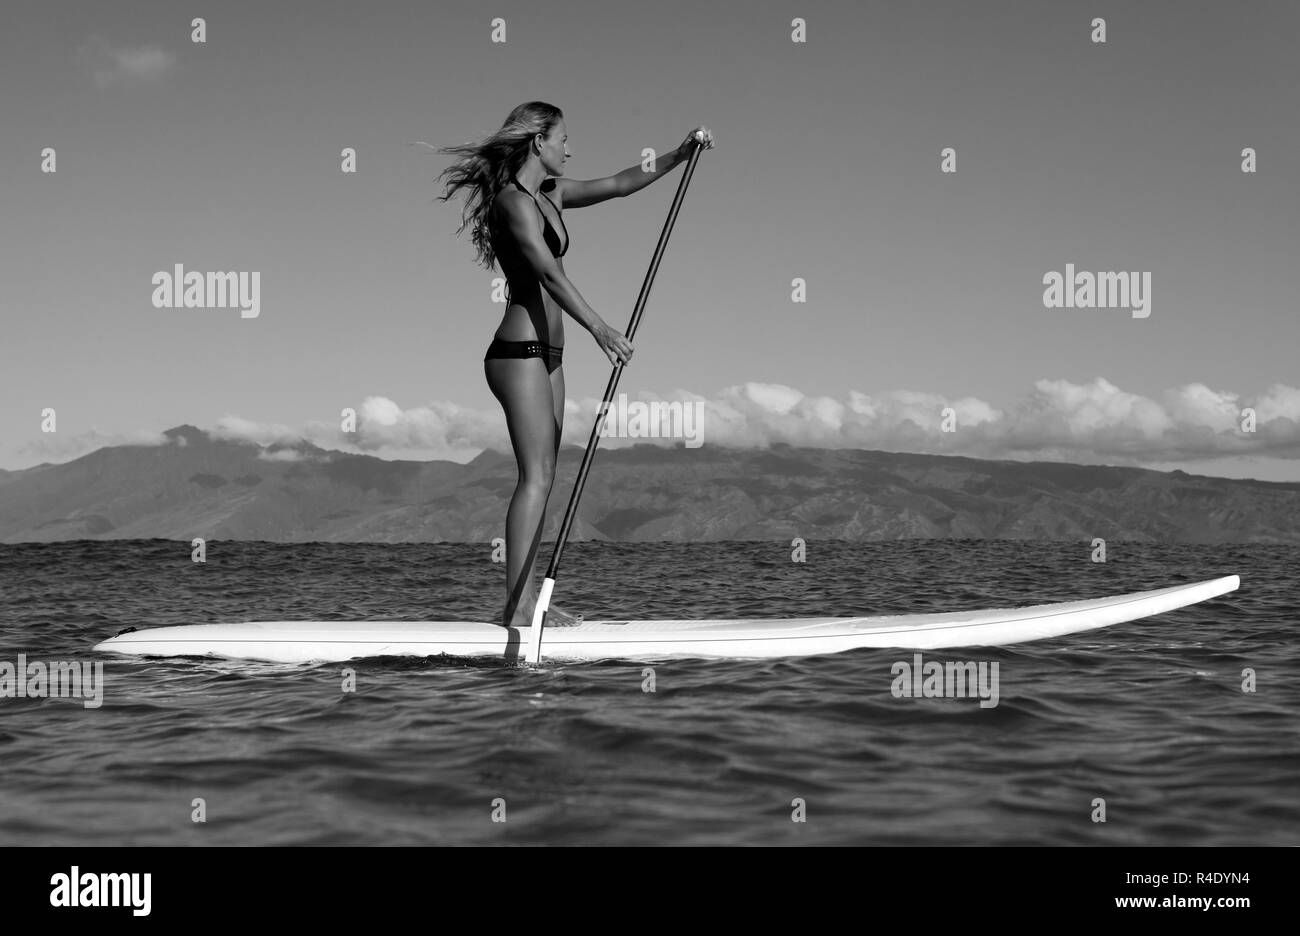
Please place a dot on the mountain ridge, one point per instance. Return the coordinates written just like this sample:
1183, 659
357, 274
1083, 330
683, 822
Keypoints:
197, 485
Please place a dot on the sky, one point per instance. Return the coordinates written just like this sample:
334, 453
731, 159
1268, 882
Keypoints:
922, 290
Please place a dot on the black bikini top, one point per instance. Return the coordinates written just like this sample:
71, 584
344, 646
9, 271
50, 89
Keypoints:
548, 232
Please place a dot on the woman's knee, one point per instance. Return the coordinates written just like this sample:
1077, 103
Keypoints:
539, 471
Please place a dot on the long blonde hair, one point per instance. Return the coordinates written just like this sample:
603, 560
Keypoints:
486, 167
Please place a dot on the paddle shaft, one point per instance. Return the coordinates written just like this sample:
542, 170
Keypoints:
571, 512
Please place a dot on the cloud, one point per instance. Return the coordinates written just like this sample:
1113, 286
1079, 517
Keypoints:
237, 429
1056, 420
439, 426
1099, 421
1197, 404
63, 446
110, 64
1280, 402
436, 428
281, 455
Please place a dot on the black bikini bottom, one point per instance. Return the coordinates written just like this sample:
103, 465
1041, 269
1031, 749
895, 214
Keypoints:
550, 355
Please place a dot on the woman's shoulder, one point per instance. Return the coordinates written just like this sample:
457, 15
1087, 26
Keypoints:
508, 197
503, 201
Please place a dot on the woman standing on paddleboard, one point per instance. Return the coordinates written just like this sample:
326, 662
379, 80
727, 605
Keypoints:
505, 173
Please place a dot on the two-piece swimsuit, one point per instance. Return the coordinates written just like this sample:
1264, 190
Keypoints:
551, 355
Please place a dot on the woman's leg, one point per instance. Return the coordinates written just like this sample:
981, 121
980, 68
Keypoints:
557, 401
524, 390
557, 615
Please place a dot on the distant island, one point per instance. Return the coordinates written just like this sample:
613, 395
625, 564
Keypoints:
219, 489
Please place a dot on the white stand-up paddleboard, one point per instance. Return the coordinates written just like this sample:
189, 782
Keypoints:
310, 641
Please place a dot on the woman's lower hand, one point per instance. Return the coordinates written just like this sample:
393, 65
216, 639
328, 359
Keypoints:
617, 348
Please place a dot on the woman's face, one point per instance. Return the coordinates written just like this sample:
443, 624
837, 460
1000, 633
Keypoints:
555, 149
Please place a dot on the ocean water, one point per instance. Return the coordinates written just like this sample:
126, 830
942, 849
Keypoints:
1149, 716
